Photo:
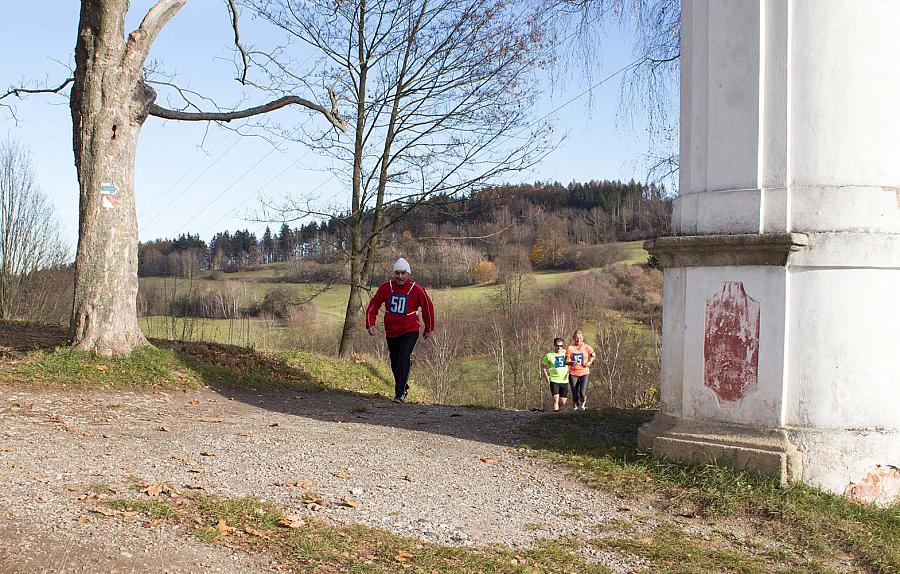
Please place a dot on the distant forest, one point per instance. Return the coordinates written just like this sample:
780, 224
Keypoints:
554, 224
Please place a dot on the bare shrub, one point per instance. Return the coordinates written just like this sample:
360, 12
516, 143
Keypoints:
637, 291
29, 237
231, 297
437, 356
513, 266
187, 262
627, 364
443, 263
485, 272
579, 257
307, 270
587, 294
48, 298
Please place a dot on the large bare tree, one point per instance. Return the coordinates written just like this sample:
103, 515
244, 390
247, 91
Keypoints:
29, 237
438, 94
110, 100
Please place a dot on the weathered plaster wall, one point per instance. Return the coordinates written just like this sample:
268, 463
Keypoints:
789, 124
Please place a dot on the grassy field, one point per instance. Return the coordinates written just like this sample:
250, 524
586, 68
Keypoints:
330, 304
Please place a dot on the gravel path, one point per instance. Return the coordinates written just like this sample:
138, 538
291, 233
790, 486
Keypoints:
415, 470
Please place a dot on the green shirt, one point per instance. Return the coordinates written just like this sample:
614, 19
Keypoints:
556, 367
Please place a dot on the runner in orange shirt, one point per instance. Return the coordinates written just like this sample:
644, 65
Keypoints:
579, 356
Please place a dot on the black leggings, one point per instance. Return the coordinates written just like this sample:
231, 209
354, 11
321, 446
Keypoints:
579, 388
400, 349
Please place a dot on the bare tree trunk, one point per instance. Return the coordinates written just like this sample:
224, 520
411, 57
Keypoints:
109, 104
357, 267
354, 307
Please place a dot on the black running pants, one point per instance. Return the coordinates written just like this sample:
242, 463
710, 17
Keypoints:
400, 349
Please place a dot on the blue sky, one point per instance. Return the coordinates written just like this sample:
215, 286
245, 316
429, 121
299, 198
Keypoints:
185, 183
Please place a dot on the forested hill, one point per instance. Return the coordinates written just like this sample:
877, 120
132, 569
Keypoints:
542, 219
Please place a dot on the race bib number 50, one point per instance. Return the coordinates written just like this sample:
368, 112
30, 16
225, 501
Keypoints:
397, 304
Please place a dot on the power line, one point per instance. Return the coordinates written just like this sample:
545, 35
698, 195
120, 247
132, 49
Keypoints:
196, 179
256, 193
184, 175
247, 171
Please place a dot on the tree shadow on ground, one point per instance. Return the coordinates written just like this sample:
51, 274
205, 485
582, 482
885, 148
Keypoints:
266, 381
17, 338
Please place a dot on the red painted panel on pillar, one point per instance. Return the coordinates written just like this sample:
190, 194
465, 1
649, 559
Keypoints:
731, 343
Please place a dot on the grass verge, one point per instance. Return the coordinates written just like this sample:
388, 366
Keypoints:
816, 530
146, 367
171, 365
310, 545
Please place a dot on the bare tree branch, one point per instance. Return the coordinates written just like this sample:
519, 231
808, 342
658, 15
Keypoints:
232, 10
19, 91
140, 40
332, 115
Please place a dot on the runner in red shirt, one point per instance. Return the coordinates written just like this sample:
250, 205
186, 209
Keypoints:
402, 298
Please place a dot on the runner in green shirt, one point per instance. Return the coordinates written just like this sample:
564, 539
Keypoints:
556, 373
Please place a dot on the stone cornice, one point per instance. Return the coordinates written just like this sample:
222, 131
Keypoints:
719, 250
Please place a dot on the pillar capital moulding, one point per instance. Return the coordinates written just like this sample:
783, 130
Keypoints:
780, 315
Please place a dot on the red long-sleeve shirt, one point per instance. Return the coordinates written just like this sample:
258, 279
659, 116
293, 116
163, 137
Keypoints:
401, 304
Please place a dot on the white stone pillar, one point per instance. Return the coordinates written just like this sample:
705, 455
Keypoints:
781, 324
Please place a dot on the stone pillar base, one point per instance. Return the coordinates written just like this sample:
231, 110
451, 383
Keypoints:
767, 452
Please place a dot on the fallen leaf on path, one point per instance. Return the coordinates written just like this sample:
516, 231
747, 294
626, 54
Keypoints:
154, 490
83, 519
455, 414
404, 556
343, 475
349, 502
105, 511
102, 368
314, 506
208, 453
208, 420
244, 434
195, 470
489, 460
291, 521
194, 402
164, 428
223, 528
195, 486
153, 522
409, 478
185, 459
260, 533
273, 425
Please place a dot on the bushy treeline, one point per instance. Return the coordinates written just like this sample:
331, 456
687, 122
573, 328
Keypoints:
561, 226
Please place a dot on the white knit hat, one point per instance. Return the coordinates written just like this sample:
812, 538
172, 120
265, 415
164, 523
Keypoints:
402, 265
